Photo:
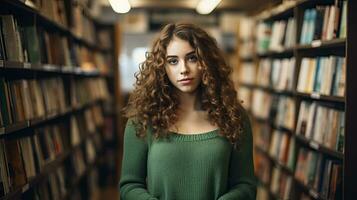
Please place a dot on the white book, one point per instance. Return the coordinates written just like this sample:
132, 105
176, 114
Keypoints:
264, 72
311, 76
328, 75
331, 23
304, 68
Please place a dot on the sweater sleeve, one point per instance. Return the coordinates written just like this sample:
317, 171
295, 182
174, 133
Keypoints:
242, 181
132, 183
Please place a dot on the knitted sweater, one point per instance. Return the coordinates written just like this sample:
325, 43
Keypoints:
202, 166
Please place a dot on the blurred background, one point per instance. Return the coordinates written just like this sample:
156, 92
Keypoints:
67, 68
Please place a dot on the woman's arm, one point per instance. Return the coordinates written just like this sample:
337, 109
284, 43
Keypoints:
133, 173
242, 181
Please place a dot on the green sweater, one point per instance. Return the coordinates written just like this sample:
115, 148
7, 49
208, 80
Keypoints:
203, 166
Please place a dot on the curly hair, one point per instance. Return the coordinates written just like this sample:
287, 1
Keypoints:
153, 103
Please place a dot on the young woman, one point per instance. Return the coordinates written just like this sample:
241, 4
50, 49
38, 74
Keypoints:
187, 137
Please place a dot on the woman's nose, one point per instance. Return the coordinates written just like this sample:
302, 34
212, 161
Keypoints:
184, 68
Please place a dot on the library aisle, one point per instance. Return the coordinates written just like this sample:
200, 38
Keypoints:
67, 68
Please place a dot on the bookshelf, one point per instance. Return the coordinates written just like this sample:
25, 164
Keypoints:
56, 82
299, 94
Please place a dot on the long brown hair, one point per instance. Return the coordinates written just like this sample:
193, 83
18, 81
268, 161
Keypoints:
153, 103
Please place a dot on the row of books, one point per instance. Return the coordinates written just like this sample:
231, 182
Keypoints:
282, 148
323, 75
27, 99
26, 157
283, 34
281, 183
320, 75
323, 175
315, 121
324, 22
53, 10
52, 187
85, 124
24, 41
276, 73
74, 15
321, 124
276, 181
88, 90
66, 183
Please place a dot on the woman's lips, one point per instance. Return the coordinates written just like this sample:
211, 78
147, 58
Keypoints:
186, 81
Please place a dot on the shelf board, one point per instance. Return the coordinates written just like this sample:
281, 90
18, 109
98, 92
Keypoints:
319, 97
18, 67
321, 44
312, 96
284, 53
12, 129
319, 147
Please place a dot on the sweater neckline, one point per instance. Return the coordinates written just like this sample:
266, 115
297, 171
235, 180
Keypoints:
194, 137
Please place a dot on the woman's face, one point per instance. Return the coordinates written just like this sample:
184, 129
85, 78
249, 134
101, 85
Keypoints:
182, 66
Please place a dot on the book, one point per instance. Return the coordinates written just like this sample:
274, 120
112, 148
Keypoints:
6, 112
285, 116
264, 71
12, 40
15, 163
342, 31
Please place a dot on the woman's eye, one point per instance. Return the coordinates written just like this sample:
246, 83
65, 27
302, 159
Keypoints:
192, 58
172, 61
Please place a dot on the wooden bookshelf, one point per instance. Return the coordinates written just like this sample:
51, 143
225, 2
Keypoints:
315, 49
81, 73
350, 157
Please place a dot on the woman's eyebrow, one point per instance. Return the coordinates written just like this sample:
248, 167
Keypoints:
190, 53
175, 56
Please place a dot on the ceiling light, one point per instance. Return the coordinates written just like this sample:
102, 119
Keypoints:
120, 6
206, 6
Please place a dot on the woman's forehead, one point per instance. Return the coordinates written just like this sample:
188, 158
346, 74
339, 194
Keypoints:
178, 47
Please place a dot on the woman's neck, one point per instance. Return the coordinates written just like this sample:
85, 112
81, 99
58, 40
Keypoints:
188, 103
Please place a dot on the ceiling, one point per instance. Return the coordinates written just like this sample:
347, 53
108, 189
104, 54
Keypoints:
184, 8
233, 5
